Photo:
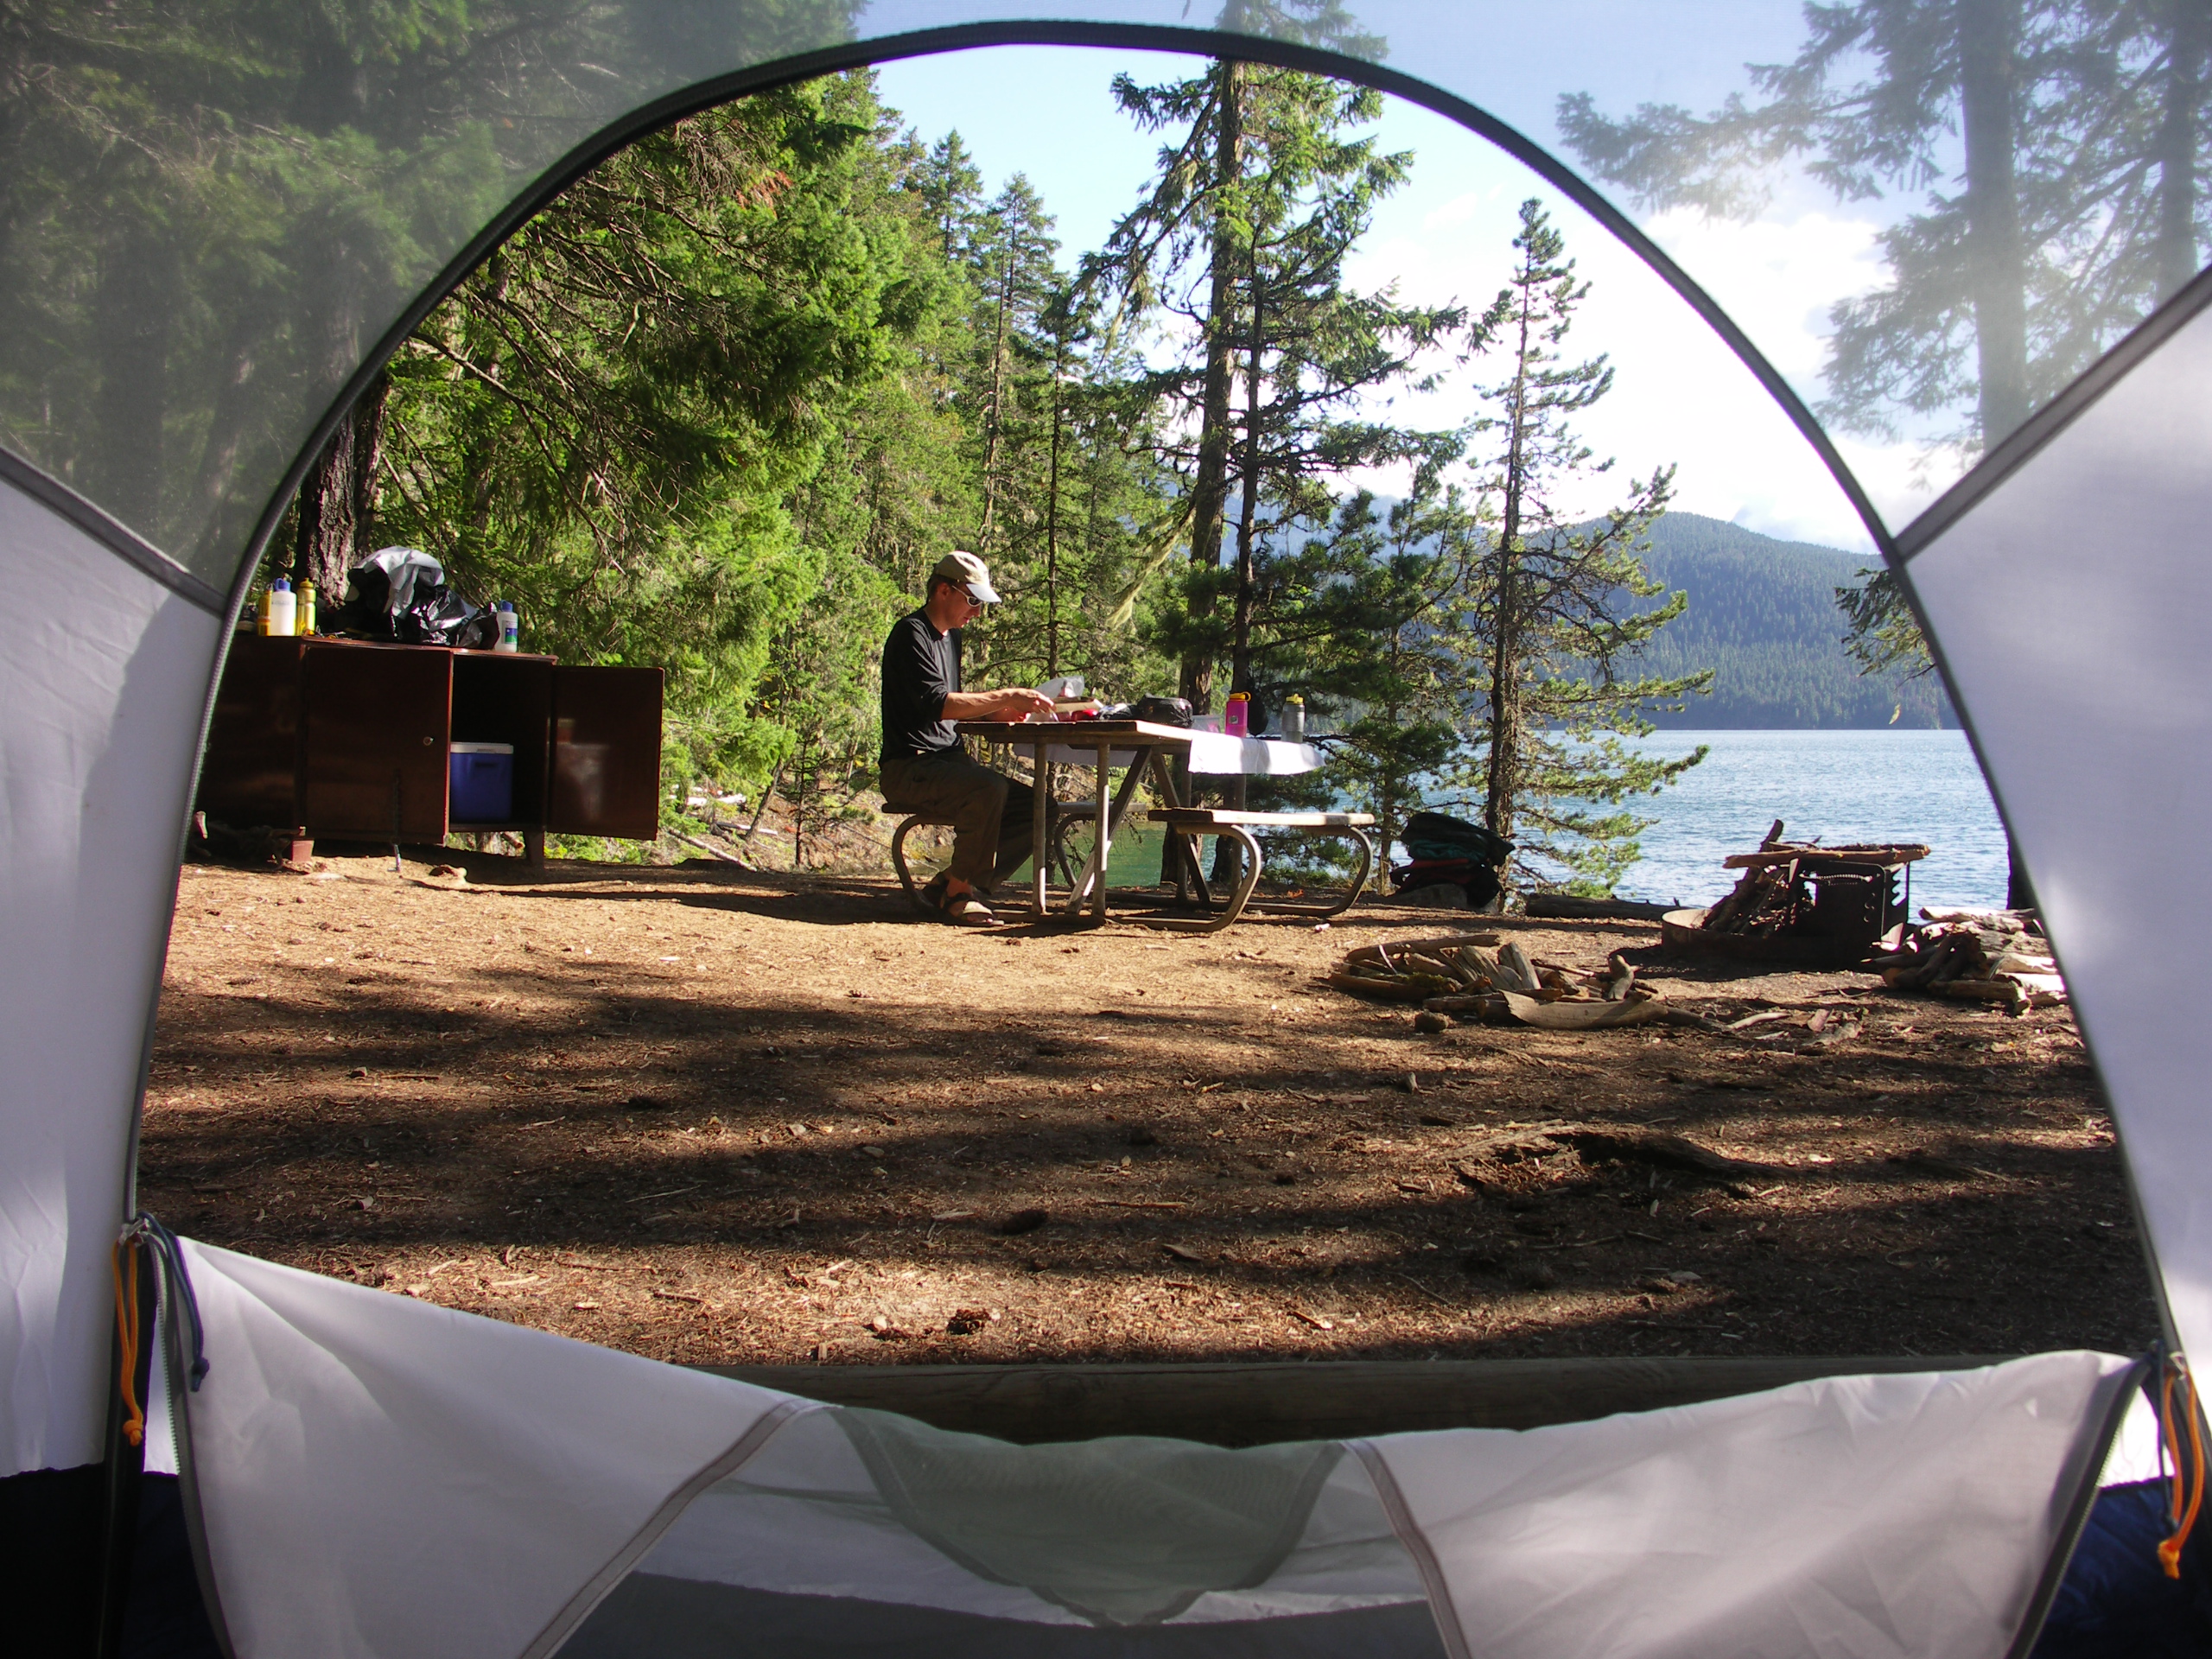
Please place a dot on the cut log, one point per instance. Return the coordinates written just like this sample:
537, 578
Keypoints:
1621, 980
1413, 989
1581, 1016
2010, 992
1566, 907
1516, 972
1875, 857
1488, 1004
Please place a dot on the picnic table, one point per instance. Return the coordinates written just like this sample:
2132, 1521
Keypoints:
1136, 747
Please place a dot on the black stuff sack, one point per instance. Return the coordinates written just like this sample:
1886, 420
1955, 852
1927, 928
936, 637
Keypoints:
400, 594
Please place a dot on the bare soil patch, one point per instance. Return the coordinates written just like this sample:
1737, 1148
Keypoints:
717, 1116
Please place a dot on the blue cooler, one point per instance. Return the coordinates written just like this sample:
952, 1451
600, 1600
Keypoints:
481, 781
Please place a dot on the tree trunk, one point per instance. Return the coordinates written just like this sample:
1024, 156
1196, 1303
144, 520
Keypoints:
1209, 480
2187, 41
1248, 508
1053, 522
991, 417
1209, 483
1988, 31
1504, 782
338, 499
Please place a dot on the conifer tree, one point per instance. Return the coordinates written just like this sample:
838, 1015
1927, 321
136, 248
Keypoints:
1194, 215
1550, 626
2062, 146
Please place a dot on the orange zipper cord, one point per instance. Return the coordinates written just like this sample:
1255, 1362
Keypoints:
125, 1262
2188, 1497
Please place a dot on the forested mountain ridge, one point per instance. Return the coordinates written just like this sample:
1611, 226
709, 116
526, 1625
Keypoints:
1762, 613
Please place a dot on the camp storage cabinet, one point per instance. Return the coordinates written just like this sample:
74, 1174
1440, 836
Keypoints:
342, 740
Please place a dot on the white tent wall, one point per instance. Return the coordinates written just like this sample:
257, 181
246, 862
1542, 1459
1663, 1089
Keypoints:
379, 1476
2069, 603
1868, 1515
103, 678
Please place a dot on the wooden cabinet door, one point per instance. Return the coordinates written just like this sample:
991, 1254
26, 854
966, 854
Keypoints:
605, 777
251, 773
376, 720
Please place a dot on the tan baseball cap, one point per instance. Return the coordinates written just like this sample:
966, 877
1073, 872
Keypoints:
966, 571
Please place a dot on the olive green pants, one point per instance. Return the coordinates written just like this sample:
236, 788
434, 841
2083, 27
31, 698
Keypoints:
991, 814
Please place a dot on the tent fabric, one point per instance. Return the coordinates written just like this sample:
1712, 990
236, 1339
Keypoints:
103, 676
335, 232
2068, 603
377, 1476
1907, 1515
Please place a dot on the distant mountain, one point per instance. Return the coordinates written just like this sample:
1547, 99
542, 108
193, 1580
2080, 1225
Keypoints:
1762, 613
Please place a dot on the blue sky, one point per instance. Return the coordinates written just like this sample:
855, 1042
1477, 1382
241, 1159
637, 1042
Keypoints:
1681, 397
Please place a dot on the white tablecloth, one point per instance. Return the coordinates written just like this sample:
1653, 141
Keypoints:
1215, 754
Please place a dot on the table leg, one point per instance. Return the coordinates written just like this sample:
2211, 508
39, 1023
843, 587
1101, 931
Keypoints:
1040, 796
1189, 873
1105, 836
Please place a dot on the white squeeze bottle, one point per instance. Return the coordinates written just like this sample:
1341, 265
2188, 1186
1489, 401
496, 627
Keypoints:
283, 608
510, 627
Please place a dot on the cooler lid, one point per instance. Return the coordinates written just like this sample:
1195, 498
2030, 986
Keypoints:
480, 748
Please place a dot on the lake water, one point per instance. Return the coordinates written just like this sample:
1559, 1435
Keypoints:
1849, 786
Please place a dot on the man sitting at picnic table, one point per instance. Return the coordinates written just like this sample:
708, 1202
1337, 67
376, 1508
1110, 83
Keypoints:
925, 769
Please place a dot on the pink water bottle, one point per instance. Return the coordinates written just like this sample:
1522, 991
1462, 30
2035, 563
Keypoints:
1236, 714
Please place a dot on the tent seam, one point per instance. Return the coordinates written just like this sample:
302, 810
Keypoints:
1440, 1607
173, 1378
110, 532
602, 1583
2079, 1483
2040, 430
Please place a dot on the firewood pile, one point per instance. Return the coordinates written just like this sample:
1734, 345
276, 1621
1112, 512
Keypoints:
1473, 975
1978, 956
1846, 892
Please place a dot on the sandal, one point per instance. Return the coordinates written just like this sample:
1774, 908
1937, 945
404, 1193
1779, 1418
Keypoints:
932, 898
968, 910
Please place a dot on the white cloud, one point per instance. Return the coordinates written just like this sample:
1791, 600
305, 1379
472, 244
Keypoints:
1681, 395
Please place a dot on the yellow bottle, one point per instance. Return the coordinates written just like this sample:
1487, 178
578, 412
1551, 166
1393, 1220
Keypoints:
306, 612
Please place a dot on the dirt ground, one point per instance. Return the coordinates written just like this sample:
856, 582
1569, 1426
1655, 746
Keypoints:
716, 1116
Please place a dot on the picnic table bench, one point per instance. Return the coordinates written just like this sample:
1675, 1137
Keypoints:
1191, 822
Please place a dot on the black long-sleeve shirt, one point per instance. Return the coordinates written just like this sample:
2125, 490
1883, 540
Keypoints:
921, 668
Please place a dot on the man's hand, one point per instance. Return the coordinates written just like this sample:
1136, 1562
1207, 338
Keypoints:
1018, 702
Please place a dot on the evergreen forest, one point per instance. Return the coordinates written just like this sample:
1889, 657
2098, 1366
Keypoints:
722, 405
1763, 615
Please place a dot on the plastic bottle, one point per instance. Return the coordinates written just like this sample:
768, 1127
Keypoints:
1236, 714
261, 614
303, 614
283, 609
1293, 718
510, 636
